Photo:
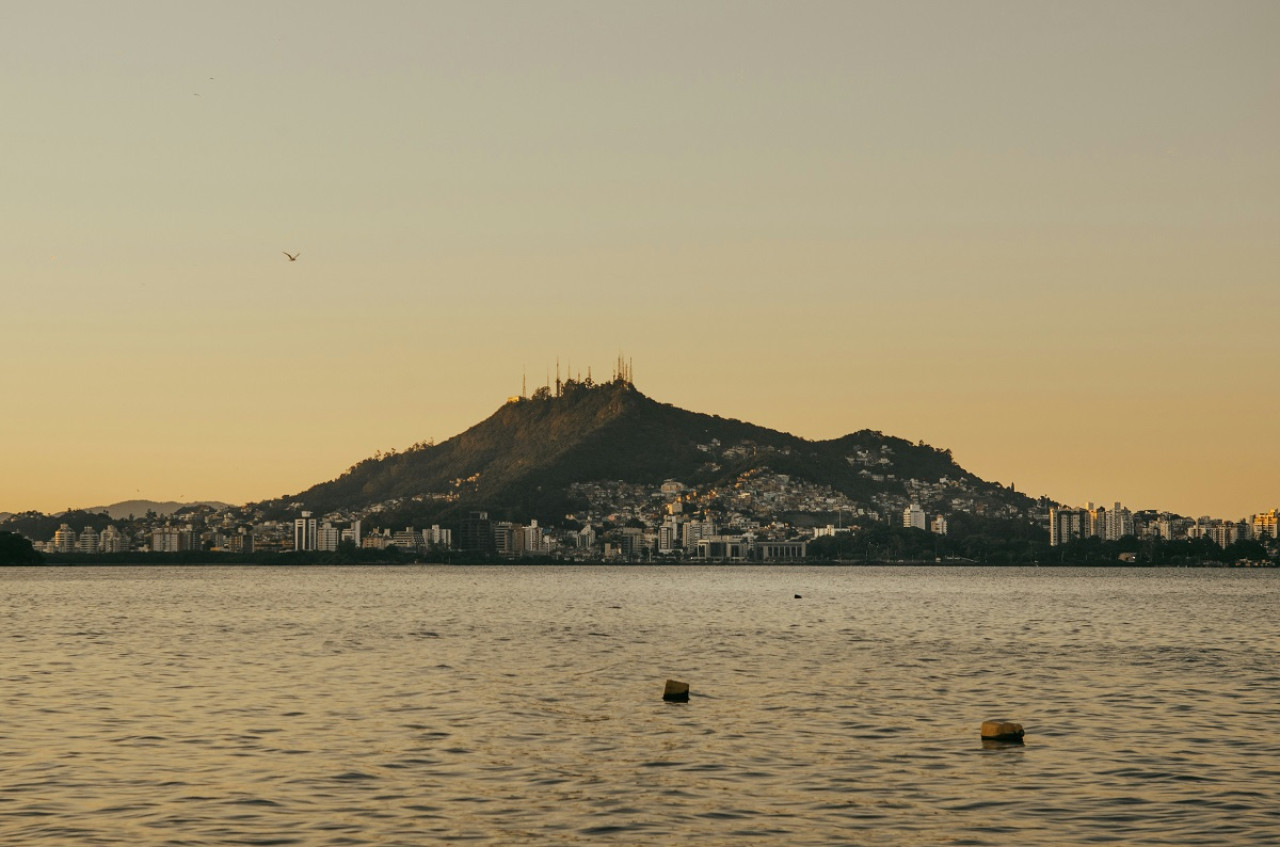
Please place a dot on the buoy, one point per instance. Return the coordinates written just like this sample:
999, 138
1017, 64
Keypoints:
1002, 731
676, 692
797, 596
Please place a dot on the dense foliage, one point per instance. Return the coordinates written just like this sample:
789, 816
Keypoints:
16, 550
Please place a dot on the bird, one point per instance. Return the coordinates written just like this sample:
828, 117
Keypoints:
293, 257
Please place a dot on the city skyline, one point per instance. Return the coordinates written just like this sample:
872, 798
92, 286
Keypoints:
1039, 236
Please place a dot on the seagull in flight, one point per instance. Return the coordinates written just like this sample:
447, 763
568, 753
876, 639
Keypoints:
293, 257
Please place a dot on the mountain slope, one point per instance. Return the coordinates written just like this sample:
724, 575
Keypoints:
521, 461
140, 507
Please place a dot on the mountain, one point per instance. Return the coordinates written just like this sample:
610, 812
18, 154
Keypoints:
126, 508
531, 458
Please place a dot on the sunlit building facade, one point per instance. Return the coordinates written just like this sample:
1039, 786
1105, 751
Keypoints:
305, 532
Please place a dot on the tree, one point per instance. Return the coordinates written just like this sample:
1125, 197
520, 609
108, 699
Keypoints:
16, 550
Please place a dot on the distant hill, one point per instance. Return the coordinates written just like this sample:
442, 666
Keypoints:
39, 526
521, 461
140, 507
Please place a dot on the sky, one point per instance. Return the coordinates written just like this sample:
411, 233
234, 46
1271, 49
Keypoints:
1043, 235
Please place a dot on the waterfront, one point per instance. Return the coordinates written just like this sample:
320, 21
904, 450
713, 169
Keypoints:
500, 705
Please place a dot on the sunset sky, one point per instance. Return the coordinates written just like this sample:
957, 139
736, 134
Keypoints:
1043, 235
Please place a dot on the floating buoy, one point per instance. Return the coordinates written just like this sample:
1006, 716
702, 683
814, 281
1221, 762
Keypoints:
1002, 731
797, 596
676, 692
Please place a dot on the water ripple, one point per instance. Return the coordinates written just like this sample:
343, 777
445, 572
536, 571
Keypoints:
403, 706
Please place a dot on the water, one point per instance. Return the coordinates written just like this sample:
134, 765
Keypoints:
408, 706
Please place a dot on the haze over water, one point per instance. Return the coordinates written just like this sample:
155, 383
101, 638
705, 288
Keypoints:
502, 705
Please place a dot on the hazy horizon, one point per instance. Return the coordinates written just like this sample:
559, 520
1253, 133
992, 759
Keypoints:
1042, 236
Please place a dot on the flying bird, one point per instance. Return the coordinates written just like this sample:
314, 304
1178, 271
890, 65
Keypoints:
293, 257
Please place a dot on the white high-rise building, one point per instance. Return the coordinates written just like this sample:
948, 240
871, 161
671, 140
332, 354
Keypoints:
327, 537
1223, 533
64, 540
166, 539
113, 540
88, 541
533, 538
1097, 527
695, 531
939, 525
436, 537
913, 517
1119, 523
304, 532
1067, 525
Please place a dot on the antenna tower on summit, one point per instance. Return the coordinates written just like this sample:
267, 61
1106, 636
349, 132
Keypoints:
622, 371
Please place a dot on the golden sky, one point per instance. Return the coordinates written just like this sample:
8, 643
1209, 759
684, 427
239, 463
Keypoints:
1043, 235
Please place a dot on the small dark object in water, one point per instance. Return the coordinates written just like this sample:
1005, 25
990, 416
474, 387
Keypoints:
1002, 731
676, 692
797, 596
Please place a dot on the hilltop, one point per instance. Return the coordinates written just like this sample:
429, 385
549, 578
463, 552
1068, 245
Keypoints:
535, 457
125, 508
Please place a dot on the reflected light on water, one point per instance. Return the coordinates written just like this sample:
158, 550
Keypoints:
524, 705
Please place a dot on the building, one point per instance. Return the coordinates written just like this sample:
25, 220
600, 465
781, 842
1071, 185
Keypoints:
723, 548
913, 517
64, 539
695, 531
436, 538
352, 534
780, 551
112, 540
1266, 525
406, 539
328, 537
939, 525
667, 535
166, 539
476, 533
632, 542
505, 538
1067, 525
1223, 533
304, 532
1119, 523
241, 541
88, 541
1097, 526
535, 543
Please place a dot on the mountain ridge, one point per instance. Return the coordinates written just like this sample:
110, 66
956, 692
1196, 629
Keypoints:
524, 460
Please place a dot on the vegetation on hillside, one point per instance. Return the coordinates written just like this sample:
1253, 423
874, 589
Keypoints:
520, 462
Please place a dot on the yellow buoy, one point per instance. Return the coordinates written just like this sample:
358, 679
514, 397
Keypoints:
1001, 731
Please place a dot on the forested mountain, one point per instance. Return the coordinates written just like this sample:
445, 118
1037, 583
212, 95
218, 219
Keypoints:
523, 459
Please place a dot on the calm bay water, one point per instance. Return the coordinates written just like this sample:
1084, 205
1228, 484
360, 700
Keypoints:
511, 705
